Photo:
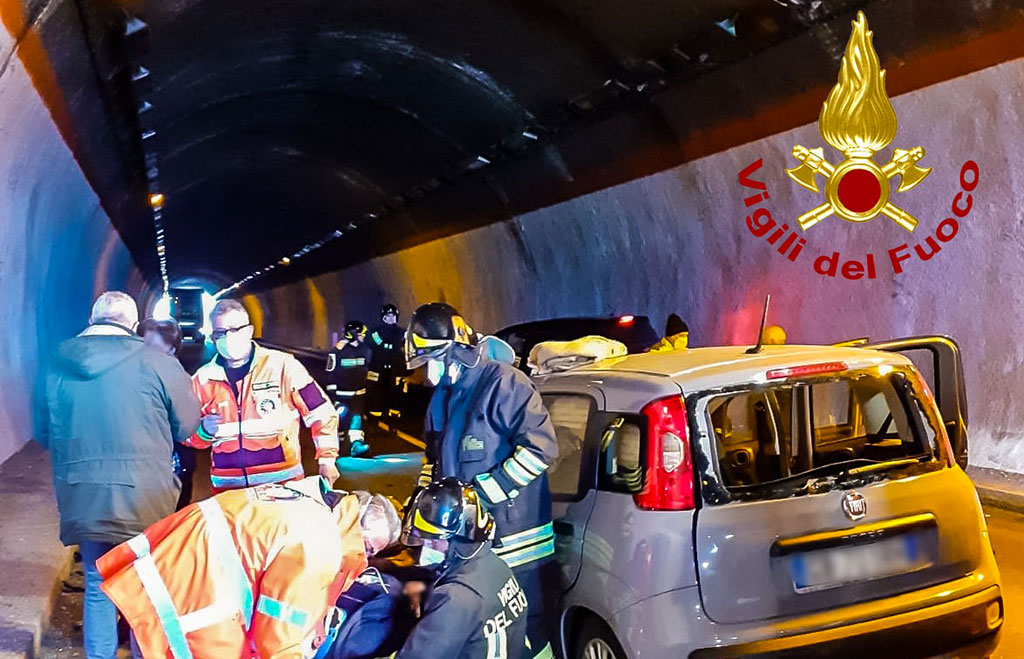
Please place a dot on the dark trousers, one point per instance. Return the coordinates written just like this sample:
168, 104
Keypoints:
539, 581
186, 468
351, 417
385, 395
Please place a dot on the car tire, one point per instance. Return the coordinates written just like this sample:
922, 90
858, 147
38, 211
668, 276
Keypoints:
596, 641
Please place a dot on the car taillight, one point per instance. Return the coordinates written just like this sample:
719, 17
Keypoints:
626, 321
809, 369
668, 483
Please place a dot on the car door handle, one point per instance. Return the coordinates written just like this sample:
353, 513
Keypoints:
563, 528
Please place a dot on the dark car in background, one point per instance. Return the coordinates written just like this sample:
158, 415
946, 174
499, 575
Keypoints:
187, 309
635, 332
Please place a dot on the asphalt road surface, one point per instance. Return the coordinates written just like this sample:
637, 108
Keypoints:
393, 472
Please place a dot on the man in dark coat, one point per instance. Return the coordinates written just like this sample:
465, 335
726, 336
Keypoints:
114, 408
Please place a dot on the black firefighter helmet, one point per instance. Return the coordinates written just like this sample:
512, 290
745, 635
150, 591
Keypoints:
389, 308
446, 510
353, 329
435, 329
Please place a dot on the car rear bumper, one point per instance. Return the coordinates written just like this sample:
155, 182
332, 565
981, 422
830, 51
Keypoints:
674, 624
967, 627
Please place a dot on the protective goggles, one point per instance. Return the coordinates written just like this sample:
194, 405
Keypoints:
418, 350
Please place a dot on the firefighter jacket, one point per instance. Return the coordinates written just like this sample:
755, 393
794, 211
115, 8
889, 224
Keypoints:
491, 428
257, 441
347, 365
477, 610
247, 572
388, 345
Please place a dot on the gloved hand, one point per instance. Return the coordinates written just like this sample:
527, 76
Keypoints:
210, 424
329, 471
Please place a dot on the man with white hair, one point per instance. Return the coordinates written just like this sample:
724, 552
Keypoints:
114, 408
252, 399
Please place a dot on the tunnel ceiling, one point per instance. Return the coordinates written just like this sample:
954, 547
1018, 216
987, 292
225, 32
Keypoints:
274, 125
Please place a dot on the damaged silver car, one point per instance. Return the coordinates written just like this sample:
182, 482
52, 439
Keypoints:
793, 501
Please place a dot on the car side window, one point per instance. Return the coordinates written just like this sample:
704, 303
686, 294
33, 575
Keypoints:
570, 415
621, 467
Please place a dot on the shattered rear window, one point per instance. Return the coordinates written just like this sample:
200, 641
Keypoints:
829, 426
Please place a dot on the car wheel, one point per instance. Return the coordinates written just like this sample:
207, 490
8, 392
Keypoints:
595, 641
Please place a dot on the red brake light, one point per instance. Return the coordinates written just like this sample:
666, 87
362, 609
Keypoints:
668, 483
626, 321
810, 369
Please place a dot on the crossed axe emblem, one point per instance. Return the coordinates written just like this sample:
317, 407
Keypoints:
903, 164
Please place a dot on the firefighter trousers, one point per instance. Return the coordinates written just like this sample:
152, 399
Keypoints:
540, 580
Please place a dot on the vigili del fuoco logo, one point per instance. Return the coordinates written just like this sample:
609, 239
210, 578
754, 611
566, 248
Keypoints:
858, 120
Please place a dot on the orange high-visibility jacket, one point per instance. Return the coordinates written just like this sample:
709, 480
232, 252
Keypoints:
246, 573
257, 441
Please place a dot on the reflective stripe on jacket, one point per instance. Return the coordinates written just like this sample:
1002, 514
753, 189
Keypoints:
255, 568
491, 428
346, 369
478, 610
257, 441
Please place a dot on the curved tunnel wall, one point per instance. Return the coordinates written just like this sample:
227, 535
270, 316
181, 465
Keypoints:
678, 241
58, 249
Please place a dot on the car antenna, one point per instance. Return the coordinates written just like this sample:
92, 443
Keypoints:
760, 332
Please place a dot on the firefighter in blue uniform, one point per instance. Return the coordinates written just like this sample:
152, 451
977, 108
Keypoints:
387, 364
347, 366
476, 608
486, 424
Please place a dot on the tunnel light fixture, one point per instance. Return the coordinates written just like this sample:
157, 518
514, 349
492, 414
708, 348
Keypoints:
530, 135
148, 134
285, 261
156, 199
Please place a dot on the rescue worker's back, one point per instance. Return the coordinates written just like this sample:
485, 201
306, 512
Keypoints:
258, 566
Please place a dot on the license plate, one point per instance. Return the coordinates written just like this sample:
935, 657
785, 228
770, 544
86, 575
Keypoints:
826, 568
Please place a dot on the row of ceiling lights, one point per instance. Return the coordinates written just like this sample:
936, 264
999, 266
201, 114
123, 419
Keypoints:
714, 46
612, 90
474, 164
136, 33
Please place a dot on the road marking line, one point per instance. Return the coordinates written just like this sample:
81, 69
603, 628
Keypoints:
409, 438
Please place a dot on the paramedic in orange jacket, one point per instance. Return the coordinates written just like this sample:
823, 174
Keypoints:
252, 399
249, 572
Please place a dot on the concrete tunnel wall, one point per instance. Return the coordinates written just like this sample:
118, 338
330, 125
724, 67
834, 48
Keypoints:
678, 241
58, 249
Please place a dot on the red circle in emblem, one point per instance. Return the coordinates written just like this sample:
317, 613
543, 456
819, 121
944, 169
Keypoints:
859, 190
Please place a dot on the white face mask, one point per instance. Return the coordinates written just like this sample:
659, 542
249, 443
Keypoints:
435, 370
430, 556
235, 346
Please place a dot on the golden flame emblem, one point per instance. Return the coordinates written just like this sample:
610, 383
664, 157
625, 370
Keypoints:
857, 119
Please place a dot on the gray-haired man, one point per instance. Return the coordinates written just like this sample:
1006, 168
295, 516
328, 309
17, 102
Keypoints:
114, 408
